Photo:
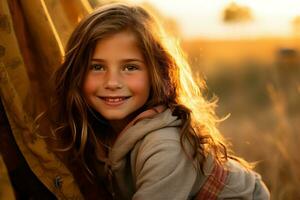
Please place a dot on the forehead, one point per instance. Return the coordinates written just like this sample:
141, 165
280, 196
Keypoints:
124, 44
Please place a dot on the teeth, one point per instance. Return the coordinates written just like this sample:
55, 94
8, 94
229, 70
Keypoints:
114, 99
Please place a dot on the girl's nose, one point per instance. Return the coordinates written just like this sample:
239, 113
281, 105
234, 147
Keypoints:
113, 81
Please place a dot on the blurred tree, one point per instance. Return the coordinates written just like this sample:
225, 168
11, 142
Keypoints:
236, 13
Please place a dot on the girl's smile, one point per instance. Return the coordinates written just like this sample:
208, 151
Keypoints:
117, 83
114, 101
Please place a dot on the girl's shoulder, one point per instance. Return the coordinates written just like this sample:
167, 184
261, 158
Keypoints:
157, 129
166, 139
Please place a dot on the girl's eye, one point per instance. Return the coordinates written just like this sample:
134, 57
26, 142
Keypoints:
97, 67
130, 67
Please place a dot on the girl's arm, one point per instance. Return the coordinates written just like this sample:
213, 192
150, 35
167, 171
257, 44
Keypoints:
243, 184
161, 169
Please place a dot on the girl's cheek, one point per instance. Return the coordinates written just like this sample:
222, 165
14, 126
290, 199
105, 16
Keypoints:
90, 84
140, 83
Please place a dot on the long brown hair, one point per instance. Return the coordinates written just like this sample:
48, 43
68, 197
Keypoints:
171, 80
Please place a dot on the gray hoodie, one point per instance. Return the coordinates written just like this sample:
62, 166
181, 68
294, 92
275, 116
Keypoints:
148, 162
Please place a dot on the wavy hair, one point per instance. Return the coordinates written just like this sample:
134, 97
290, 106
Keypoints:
172, 83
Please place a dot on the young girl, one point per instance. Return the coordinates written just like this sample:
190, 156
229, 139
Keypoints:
128, 114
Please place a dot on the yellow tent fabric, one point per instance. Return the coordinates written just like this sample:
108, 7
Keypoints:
32, 39
6, 191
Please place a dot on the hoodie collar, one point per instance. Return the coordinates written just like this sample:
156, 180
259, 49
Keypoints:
147, 122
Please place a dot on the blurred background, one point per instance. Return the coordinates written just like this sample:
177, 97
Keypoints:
248, 51
249, 54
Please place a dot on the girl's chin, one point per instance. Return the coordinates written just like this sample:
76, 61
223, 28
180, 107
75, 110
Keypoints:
115, 116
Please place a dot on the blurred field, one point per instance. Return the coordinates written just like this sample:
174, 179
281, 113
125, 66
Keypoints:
258, 83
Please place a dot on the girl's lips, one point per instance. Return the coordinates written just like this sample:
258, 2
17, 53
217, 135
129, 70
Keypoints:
114, 101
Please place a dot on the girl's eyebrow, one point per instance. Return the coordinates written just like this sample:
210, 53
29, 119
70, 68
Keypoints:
133, 60
98, 59
124, 60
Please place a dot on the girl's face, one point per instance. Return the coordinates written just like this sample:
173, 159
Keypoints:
117, 83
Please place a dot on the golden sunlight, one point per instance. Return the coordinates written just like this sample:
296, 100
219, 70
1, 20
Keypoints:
200, 18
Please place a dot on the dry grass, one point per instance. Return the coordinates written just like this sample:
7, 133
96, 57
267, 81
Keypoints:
263, 96
270, 137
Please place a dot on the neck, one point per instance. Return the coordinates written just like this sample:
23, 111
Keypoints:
118, 125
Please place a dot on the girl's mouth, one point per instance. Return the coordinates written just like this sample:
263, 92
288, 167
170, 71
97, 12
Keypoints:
114, 101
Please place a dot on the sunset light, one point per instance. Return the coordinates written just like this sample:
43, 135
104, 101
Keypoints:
203, 18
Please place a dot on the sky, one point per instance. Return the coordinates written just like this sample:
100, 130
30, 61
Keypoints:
203, 18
